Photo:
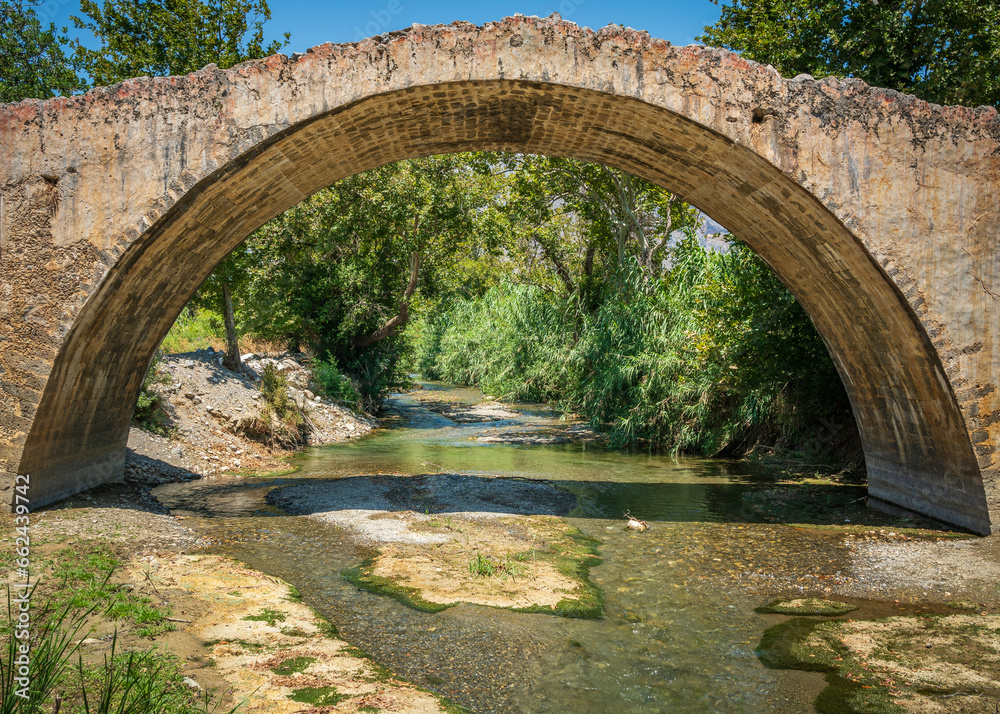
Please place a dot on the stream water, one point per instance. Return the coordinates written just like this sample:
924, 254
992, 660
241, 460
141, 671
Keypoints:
679, 631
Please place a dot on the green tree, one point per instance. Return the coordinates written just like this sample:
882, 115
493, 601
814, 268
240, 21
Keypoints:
944, 51
340, 270
219, 292
173, 37
170, 37
579, 215
32, 61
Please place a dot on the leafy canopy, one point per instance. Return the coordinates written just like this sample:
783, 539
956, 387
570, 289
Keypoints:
944, 51
170, 37
32, 62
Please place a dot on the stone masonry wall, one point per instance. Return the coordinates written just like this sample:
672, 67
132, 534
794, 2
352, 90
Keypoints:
879, 211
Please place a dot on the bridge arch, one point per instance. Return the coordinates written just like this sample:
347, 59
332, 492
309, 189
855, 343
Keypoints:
875, 209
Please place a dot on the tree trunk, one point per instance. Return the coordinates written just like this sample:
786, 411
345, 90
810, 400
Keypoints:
232, 359
550, 252
392, 326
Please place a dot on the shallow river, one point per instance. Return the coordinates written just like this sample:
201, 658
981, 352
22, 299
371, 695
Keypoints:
679, 631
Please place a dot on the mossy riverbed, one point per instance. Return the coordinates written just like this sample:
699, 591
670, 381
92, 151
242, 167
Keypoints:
444, 539
928, 662
522, 564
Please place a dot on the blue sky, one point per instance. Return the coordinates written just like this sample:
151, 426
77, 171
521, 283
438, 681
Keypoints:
312, 22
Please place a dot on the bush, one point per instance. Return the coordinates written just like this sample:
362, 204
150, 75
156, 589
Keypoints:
335, 385
514, 343
377, 371
425, 333
717, 357
149, 413
282, 423
194, 329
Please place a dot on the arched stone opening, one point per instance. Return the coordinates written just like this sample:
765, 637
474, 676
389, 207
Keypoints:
916, 437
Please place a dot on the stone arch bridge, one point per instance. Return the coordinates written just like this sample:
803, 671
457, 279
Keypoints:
879, 211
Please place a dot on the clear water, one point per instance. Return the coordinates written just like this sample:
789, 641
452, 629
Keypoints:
679, 631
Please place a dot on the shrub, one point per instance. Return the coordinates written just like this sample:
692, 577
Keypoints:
194, 329
514, 343
282, 423
716, 357
335, 385
149, 413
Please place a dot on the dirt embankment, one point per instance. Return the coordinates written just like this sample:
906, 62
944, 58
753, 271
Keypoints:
204, 402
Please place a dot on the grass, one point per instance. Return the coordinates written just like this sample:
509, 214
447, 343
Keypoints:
201, 328
126, 682
293, 665
485, 566
318, 696
294, 632
269, 615
82, 578
195, 330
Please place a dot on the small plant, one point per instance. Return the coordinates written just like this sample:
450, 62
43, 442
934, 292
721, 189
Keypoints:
281, 422
318, 696
55, 627
293, 665
149, 413
294, 632
270, 616
84, 577
132, 682
503, 568
336, 386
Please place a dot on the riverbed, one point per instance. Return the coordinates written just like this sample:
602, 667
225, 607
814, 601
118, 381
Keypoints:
679, 627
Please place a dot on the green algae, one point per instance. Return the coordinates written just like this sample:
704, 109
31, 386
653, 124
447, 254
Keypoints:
573, 556
807, 606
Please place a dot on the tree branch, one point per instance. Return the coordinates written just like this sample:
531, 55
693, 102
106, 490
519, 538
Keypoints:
392, 326
550, 253
666, 232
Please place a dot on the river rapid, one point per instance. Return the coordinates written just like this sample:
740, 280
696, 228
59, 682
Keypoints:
679, 630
